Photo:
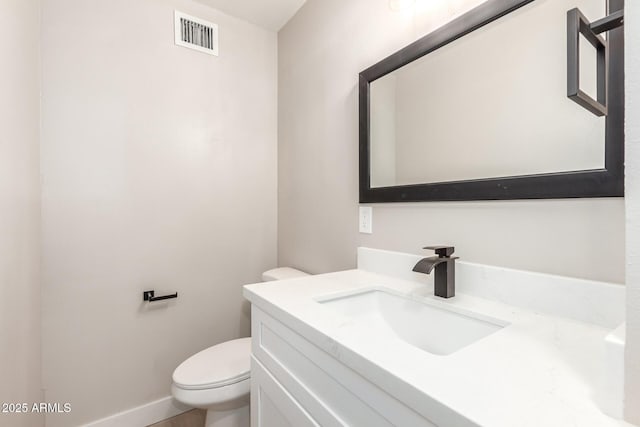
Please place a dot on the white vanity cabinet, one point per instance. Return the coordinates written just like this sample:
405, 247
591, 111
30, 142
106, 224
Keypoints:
294, 383
271, 404
353, 348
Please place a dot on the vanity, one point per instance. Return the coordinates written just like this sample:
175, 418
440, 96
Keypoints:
374, 347
505, 102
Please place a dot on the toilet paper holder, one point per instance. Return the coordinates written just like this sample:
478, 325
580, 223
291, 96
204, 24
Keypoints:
149, 296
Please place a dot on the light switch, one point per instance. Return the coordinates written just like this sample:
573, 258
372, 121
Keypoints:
366, 219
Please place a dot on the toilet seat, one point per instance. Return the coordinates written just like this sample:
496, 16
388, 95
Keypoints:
218, 366
219, 397
215, 376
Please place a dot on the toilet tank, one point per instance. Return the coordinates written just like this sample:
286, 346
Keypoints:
282, 273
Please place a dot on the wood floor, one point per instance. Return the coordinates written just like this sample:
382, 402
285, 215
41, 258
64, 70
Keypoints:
193, 418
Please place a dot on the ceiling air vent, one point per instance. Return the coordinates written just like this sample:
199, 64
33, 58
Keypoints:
196, 33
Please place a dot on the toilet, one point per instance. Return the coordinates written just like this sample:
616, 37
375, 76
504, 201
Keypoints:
218, 378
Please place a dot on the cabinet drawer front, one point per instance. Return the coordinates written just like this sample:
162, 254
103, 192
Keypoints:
328, 390
271, 405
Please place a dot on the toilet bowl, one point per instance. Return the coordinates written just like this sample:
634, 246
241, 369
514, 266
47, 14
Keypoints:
218, 378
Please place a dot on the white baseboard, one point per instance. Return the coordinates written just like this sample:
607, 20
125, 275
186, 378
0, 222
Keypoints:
144, 415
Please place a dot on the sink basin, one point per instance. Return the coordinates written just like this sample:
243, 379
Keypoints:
422, 324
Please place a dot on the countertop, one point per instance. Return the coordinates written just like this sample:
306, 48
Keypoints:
539, 371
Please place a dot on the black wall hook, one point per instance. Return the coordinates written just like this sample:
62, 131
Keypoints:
149, 296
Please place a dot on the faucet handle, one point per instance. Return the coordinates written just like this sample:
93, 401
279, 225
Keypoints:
442, 251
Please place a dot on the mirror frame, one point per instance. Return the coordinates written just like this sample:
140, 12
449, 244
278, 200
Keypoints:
607, 182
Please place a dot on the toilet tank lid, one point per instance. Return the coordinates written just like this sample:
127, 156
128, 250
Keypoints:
223, 364
282, 273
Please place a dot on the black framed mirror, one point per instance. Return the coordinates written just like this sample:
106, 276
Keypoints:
544, 145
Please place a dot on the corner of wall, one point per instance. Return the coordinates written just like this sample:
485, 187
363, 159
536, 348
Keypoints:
632, 200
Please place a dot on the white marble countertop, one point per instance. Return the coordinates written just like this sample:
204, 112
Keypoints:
539, 371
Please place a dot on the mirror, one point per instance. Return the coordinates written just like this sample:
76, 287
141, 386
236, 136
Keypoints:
486, 116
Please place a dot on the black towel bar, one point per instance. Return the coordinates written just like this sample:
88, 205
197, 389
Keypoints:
150, 296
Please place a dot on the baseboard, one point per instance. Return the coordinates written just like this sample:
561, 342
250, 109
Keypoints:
143, 415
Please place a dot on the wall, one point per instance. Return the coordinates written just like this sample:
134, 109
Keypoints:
159, 172
318, 163
632, 76
20, 375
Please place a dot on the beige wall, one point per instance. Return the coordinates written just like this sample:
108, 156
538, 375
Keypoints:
321, 52
632, 41
159, 171
19, 208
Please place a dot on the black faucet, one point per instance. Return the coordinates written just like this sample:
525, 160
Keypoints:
444, 263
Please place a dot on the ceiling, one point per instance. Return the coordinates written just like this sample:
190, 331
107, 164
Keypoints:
269, 14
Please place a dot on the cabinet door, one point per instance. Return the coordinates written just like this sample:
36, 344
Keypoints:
271, 404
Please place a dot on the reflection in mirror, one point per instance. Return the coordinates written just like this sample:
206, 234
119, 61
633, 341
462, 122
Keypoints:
490, 104
489, 121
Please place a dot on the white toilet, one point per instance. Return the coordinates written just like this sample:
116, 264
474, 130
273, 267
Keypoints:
218, 378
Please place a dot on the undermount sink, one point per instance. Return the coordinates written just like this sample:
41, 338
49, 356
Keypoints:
424, 325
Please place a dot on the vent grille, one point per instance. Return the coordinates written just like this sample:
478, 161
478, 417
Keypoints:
196, 33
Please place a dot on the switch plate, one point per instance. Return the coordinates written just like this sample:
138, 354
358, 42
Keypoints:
366, 219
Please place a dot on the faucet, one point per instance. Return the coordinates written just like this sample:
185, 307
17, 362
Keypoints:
444, 263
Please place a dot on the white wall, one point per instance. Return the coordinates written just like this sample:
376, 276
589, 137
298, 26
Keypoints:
20, 379
632, 156
321, 52
159, 172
